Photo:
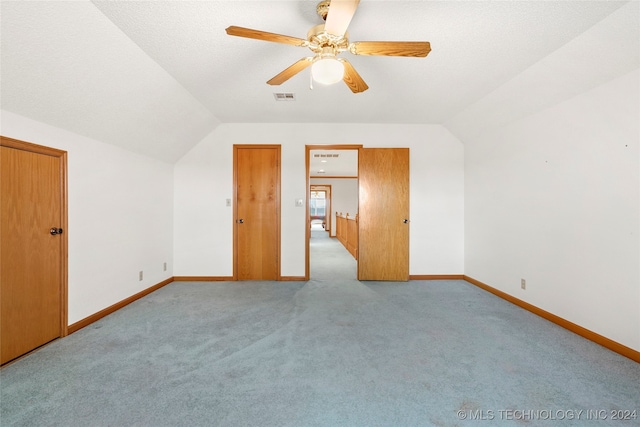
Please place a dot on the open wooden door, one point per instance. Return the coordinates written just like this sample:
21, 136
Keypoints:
257, 212
32, 247
383, 219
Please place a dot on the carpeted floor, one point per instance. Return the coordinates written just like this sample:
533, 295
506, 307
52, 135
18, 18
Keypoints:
329, 352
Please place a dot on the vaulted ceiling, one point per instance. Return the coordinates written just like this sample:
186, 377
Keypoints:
156, 77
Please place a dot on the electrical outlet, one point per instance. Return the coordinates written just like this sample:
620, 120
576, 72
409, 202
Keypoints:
523, 284
165, 266
140, 275
228, 202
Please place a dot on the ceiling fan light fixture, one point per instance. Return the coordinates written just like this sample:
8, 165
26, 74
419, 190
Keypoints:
327, 70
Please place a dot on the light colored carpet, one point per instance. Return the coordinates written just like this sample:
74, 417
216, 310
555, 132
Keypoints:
329, 352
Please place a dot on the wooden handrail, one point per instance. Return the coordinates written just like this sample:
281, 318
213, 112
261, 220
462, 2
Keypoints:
347, 232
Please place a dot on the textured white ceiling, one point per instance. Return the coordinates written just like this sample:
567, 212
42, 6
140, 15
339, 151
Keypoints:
156, 76
66, 64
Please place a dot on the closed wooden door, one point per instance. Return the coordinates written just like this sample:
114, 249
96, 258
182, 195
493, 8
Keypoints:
383, 214
257, 212
31, 289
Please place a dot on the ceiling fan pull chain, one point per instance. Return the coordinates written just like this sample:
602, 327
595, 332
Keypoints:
310, 81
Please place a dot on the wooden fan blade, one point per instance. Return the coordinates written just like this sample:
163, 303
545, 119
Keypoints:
339, 16
352, 78
417, 49
263, 35
291, 71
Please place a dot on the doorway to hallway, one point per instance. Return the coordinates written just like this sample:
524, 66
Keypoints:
379, 212
332, 188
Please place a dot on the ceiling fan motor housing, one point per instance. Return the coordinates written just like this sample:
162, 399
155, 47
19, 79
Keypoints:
319, 39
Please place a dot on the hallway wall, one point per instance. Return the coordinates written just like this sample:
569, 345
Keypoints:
203, 225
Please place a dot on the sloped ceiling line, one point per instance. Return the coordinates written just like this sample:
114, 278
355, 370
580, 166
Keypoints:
156, 77
607, 50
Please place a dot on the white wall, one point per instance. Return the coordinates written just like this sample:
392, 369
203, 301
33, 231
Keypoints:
203, 180
554, 198
203, 223
120, 208
344, 197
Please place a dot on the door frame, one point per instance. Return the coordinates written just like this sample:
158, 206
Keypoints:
307, 221
236, 147
62, 155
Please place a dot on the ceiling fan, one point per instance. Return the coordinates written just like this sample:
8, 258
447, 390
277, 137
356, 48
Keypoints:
328, 40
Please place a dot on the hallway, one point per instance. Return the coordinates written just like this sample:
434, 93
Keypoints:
328, 258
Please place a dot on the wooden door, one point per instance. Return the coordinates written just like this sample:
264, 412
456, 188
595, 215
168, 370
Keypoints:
383, 214
257, 212
32, 295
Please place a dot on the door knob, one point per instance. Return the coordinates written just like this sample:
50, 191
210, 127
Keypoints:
55, 231
241, 221
405, 221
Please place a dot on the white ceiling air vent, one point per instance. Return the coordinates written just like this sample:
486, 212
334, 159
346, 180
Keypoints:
282, 96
